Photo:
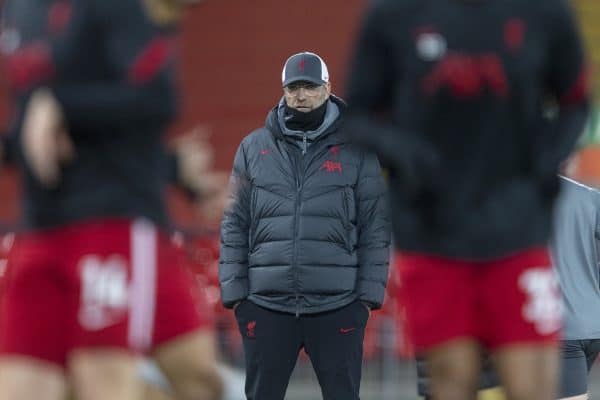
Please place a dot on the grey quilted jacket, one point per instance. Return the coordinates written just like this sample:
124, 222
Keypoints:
307, 229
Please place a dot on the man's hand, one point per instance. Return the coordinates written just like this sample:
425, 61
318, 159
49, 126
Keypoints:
46, 144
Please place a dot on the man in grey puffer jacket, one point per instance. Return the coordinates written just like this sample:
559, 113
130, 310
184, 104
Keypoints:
305, 240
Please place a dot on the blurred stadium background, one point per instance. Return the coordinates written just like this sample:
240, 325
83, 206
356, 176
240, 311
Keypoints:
232, 54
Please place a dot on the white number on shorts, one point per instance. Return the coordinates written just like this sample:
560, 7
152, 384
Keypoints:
544, 305
104, 291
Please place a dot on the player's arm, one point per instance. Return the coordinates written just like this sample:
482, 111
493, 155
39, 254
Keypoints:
140, 57
374, 74
370, 84
235, 228
567, 79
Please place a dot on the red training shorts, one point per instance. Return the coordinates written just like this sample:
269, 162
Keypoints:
109, 283
509, 300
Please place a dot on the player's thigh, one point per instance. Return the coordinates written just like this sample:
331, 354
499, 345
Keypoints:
152, 377
457, 361
155, 384
152, 392
190, 364
25, 378
104, 373
450, 370
528, 371
187, 355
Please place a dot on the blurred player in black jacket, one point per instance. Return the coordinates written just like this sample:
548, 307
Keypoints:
450, 94
94, 279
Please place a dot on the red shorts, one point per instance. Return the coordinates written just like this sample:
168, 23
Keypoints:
510, 300
111, 283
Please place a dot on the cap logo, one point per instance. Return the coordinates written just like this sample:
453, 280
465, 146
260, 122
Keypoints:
304, 66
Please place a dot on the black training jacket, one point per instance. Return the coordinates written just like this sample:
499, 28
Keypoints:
451, 95
110, 67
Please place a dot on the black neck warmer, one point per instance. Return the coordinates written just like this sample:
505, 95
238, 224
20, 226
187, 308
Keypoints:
305, 121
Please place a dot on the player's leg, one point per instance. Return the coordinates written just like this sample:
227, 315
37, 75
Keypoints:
104, 373
24, 378
152, 392
189, 363
438, 298
32, 332
157, 386
455, 368
521, 311
155, 383
519, 365
488, 381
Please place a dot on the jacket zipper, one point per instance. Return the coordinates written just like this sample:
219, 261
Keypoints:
304, 144
296, 218
299, 183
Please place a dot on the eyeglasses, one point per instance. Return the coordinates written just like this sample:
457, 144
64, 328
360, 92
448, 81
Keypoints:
310, 89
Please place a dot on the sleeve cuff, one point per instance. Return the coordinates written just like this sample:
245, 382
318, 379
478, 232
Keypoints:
372, 293
234, 291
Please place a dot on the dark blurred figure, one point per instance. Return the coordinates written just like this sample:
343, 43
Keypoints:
451, 95
94, 278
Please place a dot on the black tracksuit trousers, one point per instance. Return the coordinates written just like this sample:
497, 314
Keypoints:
272, 340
